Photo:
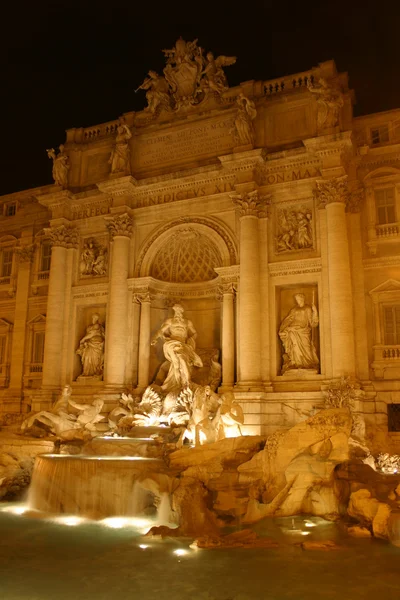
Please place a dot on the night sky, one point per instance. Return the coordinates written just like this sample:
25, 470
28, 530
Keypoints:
75, 64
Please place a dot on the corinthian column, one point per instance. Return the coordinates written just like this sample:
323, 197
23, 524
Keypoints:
251, 206
227, 291
61, 238
144, 340
332, 195
120, 228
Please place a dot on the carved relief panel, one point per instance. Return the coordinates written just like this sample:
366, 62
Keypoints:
93, 258
294, 228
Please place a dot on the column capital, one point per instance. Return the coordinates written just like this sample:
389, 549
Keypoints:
251, 204
142, 297
120, 225
332, 190
63, 236
25, 253
355, 200
227, 287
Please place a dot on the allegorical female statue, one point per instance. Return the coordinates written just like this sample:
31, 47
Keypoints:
296, 336
120, 155
243, 131
91, 349
179, 338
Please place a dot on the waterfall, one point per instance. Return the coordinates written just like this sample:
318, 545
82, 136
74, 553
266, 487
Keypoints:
92, 487
164, 510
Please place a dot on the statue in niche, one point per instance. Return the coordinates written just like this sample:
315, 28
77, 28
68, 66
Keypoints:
91, 349
295, 333
120, 155
243, 131
179, 337
294, 229
157, 92
330, 101
61, 166
213, 76
93, 261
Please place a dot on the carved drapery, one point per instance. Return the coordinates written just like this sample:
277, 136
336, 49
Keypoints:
63, 236
120, 225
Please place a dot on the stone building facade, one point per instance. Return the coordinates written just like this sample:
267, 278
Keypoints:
233, 202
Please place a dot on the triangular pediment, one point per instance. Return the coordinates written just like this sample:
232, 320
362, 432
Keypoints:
37, 319
391, 285
4, 324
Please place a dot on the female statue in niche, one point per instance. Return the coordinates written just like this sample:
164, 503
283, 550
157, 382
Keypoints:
296, 336
91, 349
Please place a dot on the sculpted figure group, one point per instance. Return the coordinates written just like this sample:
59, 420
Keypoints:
187, 77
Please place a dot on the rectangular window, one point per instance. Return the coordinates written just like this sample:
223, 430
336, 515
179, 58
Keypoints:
393, 417
45, 257
392, 325
6, 263
385, 206
38, 347
380, 135
2, 348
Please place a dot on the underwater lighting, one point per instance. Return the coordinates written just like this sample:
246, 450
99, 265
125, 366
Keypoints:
71, 520
180, 552
15, 510
120, 522
143, 546
305, 532
309, 524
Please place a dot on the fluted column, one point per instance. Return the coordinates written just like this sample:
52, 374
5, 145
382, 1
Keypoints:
251, 206
25, 255
120, 228
332, 195
227, 292
144, 341
61, 239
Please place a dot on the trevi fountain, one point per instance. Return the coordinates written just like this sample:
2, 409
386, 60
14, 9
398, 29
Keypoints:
198, 391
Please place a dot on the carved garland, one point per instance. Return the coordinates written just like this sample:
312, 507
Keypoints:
201, 221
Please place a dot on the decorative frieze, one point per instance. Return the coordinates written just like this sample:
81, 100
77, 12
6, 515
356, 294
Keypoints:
120, 225
295, 267
93, 259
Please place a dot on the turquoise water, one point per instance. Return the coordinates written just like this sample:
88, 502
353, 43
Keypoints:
41, 559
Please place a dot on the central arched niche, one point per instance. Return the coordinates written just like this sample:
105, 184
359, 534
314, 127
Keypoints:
187, 256
184, 256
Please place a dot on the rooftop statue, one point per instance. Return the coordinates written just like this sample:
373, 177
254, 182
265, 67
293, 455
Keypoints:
120, 154
330, 101
61, 166
188, 77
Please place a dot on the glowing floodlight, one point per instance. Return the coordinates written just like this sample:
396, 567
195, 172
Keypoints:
180, 552
71, 520
15, 510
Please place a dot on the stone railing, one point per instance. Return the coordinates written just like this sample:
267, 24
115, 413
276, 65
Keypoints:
33, 369
5, 280
386, 360
288, 84
89, 134
387, 231
43, 275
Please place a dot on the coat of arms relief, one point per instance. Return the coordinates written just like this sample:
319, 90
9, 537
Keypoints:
188, 78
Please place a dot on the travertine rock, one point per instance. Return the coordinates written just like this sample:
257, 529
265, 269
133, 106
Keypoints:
362, 506
360, 532
15, 475
380, 524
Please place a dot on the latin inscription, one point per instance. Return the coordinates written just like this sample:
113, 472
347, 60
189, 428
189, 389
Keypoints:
211, 138
199, 192
90, 210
